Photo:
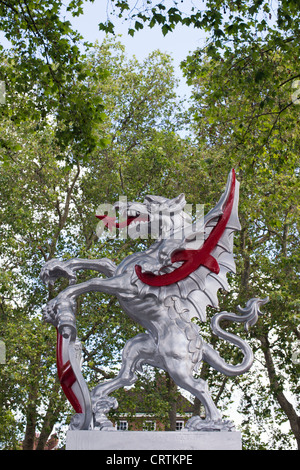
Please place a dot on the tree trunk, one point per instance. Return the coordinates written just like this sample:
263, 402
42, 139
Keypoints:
172, 394
49, 421
198, 408
276, 389
31, 417
51, 416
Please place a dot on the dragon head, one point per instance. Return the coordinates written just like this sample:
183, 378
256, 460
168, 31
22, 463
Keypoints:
157, 217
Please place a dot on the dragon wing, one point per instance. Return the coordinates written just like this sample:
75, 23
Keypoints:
199, 289
192, 286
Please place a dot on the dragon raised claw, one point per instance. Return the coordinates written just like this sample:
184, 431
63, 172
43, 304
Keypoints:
162, 289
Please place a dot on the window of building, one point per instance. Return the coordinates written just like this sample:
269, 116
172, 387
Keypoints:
149, 426
122, 426
179, 425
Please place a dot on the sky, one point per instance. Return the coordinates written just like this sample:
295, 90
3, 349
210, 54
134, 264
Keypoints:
178, 43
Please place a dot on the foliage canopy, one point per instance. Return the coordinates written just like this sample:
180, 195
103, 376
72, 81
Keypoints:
80, 128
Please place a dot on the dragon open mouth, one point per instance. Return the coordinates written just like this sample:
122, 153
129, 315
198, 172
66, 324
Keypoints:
132, 217
159, 270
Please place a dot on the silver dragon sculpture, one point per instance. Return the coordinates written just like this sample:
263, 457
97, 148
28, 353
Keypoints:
162, 289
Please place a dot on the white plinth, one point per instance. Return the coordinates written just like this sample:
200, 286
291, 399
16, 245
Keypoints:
158, 440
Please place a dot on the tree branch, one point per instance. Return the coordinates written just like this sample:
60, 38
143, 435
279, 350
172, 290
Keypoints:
64, 215
289, 80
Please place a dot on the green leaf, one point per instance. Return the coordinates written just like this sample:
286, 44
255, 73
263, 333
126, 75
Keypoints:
138, 25
259, 75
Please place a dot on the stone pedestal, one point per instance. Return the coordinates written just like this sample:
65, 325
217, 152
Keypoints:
157, 440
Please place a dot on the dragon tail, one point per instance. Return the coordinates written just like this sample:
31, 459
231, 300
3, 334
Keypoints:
249, 316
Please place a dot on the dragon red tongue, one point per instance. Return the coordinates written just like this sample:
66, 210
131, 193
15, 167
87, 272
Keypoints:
193, 259
110, 222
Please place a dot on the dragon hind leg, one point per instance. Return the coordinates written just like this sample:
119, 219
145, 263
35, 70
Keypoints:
199, 388
137, 351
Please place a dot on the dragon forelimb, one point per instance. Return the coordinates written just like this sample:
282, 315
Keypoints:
55, 268
61, 310
102, 265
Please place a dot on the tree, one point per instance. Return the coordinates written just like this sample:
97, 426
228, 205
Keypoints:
46, 64
248, 121
237, 20
32, 184
242, 31
48, 210
52, 181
